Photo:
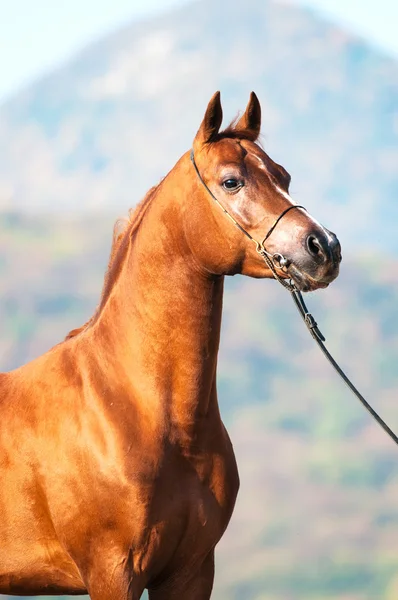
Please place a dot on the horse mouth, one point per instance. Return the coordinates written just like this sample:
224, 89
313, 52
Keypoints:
305, 282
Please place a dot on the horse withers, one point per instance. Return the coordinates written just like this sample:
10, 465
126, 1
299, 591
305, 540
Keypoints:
116, 471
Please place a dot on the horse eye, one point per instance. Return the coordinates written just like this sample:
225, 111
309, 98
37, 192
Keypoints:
231, 184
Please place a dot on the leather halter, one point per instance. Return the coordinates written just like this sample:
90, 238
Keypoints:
274, 261
298, 299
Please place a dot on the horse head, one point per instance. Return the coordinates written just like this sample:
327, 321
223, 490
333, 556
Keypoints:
253, 191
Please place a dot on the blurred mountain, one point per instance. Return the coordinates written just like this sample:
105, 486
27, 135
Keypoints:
317, 514
97, 133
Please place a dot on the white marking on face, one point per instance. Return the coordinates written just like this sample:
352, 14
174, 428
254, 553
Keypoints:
285, 195
310, 217
260, 160
290, 199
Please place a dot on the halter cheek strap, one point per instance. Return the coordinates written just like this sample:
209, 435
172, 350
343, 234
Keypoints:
274, 261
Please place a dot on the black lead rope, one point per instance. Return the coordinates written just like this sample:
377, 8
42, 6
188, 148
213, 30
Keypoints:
298, 300
318, 337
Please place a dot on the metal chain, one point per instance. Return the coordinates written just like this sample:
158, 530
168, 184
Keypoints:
287, 283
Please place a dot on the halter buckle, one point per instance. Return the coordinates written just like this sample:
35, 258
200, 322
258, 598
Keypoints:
282, 261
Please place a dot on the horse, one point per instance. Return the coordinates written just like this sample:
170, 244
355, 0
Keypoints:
117, 473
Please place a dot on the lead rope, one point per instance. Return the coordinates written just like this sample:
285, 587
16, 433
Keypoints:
318, 337
298, 299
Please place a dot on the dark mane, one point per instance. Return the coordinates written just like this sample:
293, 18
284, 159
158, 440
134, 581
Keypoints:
232, 133
123, 229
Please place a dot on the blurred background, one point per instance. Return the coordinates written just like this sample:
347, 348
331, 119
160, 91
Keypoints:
97, 102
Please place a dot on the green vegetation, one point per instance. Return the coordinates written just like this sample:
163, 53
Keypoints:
317, 515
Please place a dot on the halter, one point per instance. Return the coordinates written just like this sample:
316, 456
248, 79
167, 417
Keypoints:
272, 261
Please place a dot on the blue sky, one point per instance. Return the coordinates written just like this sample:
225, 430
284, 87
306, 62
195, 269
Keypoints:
37, 35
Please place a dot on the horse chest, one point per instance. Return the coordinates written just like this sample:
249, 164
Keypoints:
197, 495
186, 515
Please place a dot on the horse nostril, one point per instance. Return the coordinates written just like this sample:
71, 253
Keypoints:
314, 246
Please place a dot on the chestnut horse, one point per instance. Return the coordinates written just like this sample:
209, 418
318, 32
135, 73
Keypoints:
116, 471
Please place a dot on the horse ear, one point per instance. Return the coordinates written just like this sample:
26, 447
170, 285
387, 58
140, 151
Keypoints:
250, 121
211, 122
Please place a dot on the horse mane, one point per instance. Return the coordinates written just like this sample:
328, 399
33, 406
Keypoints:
234, 134
127, 226
123, 229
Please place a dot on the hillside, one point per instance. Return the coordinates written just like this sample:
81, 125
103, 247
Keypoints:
96, 134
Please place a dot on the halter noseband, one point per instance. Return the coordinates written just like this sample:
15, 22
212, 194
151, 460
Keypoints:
273, 261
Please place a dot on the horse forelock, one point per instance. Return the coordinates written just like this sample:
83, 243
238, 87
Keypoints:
234, 134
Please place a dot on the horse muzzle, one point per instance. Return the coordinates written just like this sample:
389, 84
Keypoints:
317, 263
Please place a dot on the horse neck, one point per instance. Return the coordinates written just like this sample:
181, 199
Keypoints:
161, 323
